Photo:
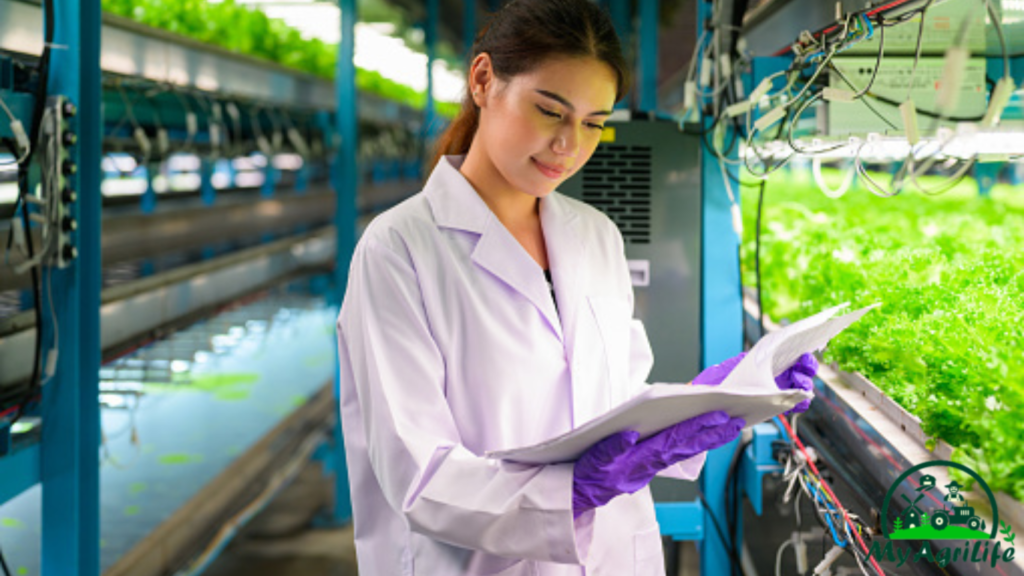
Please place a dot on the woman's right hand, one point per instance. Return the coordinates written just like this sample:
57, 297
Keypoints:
619, 464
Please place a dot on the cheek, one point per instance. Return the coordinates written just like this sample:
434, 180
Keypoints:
520, 135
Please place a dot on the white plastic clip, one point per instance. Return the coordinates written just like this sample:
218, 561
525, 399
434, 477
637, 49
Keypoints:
739, 108
998, 101
761, 90
20, 137
142, 140
952, 79
909, 113
838, 95
191, 124
770, 118
706, 69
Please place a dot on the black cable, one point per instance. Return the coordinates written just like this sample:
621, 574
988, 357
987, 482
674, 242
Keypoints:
721, 534
3, 564
757, 261
42, 86
732, 507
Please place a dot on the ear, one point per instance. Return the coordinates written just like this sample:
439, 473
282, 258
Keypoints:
481, 78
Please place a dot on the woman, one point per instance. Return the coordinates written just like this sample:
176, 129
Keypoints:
452, 344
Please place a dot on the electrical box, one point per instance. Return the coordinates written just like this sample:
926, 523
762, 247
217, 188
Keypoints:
60, 170
892, 84
646, 178
942, 24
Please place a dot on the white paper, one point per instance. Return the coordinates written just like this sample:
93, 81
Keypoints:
748, 392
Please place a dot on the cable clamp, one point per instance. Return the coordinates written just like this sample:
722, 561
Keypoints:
770, 118
909, 113
998, 101
838, 95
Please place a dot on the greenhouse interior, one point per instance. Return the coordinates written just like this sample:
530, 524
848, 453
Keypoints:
817, 205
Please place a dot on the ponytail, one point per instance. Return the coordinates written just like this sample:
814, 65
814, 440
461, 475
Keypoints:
459, 133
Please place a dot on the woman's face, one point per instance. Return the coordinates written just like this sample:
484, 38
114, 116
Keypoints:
541, 127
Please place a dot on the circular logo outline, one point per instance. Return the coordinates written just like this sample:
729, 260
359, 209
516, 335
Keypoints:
899, 480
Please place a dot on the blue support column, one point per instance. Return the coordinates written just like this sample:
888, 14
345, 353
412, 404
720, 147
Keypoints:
430, 36
69, 452
206, 189
469, 26
648, 61
346, 183
302, 177
269, 179
987, 176
148, 200
622, 17
721, 325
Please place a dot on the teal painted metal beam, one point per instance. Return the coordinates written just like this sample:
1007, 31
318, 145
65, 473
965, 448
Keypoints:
648, 60
346, 187
469, 27
622, 17
430, 37
721, 324
19, 471
70, 408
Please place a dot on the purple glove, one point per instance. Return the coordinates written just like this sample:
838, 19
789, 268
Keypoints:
799, 376
619, 465
716, 374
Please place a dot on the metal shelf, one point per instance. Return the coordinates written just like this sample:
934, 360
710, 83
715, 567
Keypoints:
135, 50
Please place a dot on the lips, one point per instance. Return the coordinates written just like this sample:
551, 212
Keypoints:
548, 170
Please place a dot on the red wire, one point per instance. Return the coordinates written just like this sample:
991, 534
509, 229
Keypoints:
8, 411
814, 469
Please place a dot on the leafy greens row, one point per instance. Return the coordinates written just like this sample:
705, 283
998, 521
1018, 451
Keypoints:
249, 31
948, 342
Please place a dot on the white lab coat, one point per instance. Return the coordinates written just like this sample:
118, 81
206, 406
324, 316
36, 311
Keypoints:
450, 346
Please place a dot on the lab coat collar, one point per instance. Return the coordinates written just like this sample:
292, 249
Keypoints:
456, 204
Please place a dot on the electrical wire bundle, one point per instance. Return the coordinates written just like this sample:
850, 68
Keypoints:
845, 528
24, 161
787, 104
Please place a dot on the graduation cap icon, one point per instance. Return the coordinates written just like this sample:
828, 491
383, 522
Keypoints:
927, 482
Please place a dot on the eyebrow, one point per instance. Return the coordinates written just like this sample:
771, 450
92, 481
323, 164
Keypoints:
565, 102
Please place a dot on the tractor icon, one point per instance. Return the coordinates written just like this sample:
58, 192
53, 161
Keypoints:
958, 515
963, 514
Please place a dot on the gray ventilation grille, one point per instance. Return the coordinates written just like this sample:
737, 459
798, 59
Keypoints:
617, 181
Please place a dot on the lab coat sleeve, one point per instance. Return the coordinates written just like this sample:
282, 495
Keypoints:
444, 491
641, 360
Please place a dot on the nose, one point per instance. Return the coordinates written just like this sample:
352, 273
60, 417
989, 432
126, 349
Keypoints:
566, 142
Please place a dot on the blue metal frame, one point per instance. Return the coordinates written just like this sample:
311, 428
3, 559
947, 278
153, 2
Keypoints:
70, 433
346, 184
621, 18
681, 520
19, 471
648, 58
430, 38
469, 26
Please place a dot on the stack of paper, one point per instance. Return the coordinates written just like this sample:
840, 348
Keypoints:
748, 392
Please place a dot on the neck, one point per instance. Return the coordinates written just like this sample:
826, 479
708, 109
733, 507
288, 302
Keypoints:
514, 208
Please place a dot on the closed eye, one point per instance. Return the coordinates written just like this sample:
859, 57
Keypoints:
547, 112
552, 114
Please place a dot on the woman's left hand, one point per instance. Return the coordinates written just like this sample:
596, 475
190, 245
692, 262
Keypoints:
717, 374
799, 376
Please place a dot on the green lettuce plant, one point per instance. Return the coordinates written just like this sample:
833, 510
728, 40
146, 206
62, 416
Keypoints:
948, 342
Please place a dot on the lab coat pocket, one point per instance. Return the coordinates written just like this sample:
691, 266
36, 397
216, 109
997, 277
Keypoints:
613, 318
648, 556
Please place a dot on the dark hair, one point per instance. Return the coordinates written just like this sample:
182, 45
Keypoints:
522, 35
